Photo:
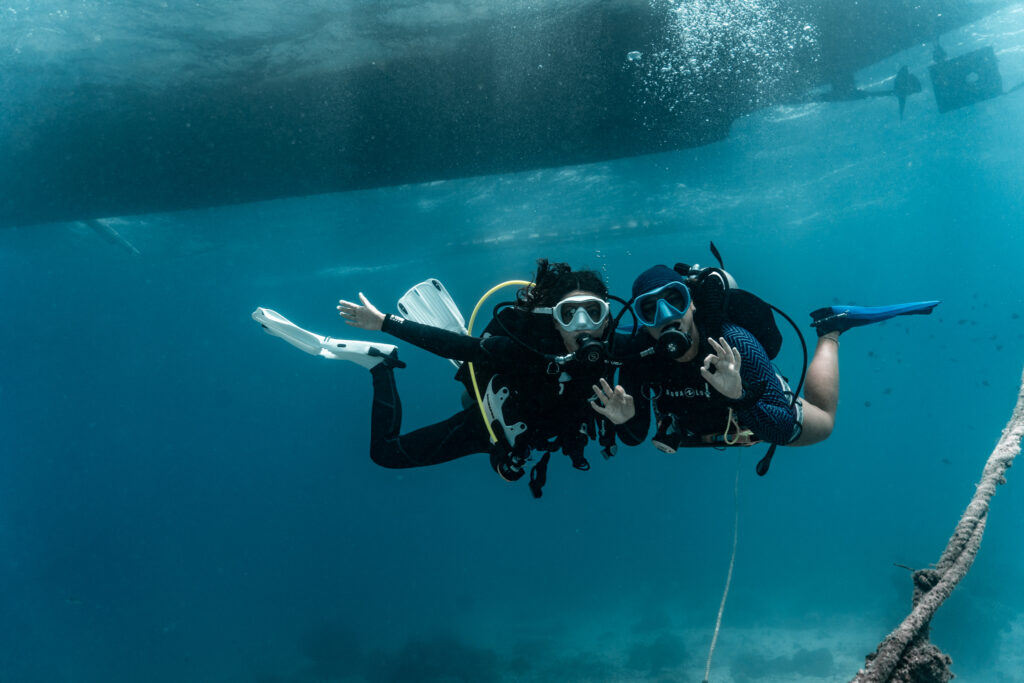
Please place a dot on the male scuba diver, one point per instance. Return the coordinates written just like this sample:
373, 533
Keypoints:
537, 364
711, 381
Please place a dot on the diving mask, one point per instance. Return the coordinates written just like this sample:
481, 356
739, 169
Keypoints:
581, 313
662, 305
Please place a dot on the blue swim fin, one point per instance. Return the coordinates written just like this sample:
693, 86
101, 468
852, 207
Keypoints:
842, 318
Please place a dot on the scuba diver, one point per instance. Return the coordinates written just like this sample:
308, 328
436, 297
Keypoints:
844, 89
534, 371
708, 371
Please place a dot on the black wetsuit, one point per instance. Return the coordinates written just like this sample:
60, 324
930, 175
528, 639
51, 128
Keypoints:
550, 399
679, 391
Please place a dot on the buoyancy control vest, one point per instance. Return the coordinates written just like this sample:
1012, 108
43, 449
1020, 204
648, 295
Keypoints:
542, 405
720, 301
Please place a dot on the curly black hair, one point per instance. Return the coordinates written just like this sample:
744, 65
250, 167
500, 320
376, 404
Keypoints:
554, 280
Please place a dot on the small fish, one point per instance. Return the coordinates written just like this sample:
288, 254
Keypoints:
906, 84
867, 404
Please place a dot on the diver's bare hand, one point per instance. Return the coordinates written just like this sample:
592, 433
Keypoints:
726, 378
365, 317
615, 404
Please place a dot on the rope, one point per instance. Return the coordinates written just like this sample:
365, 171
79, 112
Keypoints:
728, 425
906, 655
732, 563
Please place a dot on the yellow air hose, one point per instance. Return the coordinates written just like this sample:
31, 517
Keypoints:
472, 370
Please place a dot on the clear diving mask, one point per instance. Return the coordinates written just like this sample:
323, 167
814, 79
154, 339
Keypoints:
581, 313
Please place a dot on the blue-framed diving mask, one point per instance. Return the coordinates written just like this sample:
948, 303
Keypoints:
581, 313
663, 305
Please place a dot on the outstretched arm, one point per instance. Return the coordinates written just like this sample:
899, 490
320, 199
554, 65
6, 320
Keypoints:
502, 352
365, 317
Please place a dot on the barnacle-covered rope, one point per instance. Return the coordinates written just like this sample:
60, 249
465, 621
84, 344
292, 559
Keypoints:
906, 655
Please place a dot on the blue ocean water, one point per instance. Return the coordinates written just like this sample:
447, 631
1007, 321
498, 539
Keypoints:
183, 497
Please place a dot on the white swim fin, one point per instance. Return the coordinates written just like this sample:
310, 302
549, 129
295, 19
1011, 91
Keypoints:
430, 303
367, 354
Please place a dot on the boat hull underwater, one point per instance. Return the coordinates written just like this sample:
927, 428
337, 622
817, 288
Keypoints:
498, 94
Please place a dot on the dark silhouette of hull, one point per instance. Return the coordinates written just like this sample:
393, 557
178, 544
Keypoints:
557, 90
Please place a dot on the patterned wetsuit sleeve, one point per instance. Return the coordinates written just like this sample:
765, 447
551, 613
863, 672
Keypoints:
772, 418
501, 352
634, 431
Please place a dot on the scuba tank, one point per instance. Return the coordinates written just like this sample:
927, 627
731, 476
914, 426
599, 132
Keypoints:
720, 300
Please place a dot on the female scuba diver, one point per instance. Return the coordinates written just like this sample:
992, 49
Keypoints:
541, 361
708, 375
